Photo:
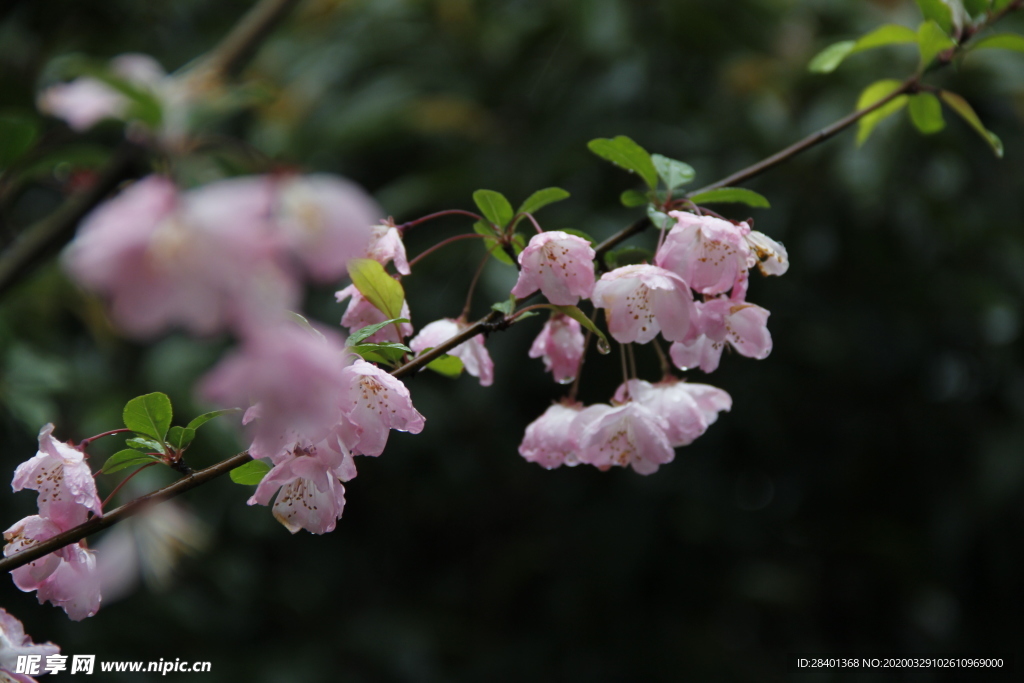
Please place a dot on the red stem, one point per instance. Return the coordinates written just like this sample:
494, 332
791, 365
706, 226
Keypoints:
440, 244
85, 442
125, 481
449, 212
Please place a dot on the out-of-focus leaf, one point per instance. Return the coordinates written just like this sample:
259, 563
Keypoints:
126, 458
627, 256
251, 473
304, 323
931, 40
966, 112
200, 420
625, 153
449, 366
660, 220
541, 198
673, 173
149, 414
72, 157
379, 288
18, 132
732, 195
872, 94
926, 113
632, 198
1001, 41
976, 7
386, 352
366, 332
493, 206
939, 12
831, 57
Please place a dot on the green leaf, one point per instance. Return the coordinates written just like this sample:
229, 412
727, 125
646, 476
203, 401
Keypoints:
449, 366
939, 12
144, 444
966, 112
180, 437
149, 415
379, 288
576, 314
494, 207
386, 352
931, 40
831, 57
926, 113
126, 458
632, 198
732, 195
144, 105
1000, 41
251, 473
200, 420
304, 323
506, 306
660, 220
370, 330
1000, 4
492, 242
541, 198
673, 173
976, 7
580, 233
18, 132
625, 153
890, 34
872, 94
627, 256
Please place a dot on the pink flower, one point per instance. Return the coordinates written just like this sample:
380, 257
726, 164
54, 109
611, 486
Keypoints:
308, 483
560, 265
629, 434
560, 344
642, 300
473, 353
374, 403
549, 440
59, 472
325, 220
743, 326
386, 245
296, 378
709, 253
688, 409
770, 256
67, 577
361, 313
14, 643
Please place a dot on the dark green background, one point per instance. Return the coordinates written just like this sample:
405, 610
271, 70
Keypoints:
864, 495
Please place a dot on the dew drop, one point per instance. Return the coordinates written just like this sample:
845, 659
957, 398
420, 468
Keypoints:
603, 347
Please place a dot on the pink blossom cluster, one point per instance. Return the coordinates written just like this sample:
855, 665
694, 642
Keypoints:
14, 643
66, 496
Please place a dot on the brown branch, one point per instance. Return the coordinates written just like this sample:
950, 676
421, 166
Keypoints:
236, 48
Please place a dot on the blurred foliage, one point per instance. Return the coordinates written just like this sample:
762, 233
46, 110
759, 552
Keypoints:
863, 496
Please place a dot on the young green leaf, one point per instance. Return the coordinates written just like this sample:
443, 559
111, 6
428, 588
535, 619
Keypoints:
625, 153
386, 352
966, 112
18, 132
976, 7
931, 40
1000, 41
926, 113
1000, 4
370, 330
541, 198
251, 473
939, 12
149, 414
632, 198
144, 444
673, 173
831, 57
872, 94
304, 323
493, 206
890, 34
660, 220
200, 420
506, 306
449, 366
732, 195
126, 458
576, 314
179, 438
379, 288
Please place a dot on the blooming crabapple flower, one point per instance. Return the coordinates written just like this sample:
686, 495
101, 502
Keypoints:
770, 257
203, 259
473, 353
14, 643
743, 326
386, 245
642, 300
66, 577
296, 378
549, 440
560, 344
709, 253
308, 484
59, 472
560, 265
688, 409
361, 313
374, 403
325, 220
630, 434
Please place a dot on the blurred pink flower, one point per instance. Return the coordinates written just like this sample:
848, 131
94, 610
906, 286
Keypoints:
386, 245
560, 344
560, 265
14, 643
642, 300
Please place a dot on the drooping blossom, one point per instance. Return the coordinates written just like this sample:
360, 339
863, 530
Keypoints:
642, 300
560, 265
66, 577
770, 257
295, 377
361, 313
386, 245
688, 409
14, 643
325, 220
308, 484
626, 435
708, 252
560, 344
472, 353
549, 440
59, 472
373, 403
722, 321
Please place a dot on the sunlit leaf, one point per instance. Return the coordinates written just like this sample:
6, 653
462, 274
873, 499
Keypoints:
831, 57
872, 94
926, 113
1001, 41
149, 414
200, 420
251, 473
931, 40
939, 12
379, 288
449, 366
